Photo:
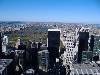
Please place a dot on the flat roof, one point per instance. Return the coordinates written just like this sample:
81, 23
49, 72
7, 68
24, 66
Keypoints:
86, 69
54, 30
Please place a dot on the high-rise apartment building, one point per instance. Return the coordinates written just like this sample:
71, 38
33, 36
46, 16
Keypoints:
70, 48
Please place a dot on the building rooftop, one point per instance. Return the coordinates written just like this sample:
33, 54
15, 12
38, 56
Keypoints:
54, 30
86, 69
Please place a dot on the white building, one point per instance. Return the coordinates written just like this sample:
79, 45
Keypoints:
69, 40
71, 47
4, 43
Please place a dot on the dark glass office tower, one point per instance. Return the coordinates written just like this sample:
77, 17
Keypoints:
91, 43
0, 44
53, 45
83, 44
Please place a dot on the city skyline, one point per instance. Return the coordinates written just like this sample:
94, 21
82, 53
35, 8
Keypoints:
50, 10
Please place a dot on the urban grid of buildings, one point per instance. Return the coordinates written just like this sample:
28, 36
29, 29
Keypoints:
71, 49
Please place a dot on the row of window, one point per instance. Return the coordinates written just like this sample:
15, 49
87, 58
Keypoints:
70, 49
70, 43
70, 46
70, 55
70, 40
70, 37
69, 59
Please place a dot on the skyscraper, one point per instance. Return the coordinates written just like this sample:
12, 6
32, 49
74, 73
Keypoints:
92, 43
83, 44
0, 43
53, 44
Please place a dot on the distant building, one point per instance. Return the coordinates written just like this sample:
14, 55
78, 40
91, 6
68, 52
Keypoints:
53, 43
43, 58
18, 43
4, 43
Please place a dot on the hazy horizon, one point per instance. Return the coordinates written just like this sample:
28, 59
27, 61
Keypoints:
68, 11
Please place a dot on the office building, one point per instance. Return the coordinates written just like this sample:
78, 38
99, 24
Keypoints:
0, 44
43, 58
91, 43
83, 44
58, 69
96, 48
87, 56
53, 43
32, 56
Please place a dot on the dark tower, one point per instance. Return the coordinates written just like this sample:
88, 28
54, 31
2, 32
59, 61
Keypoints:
83, 44
53, 45
91, 43
0, 44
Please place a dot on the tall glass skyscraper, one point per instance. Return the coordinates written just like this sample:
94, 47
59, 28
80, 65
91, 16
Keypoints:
53, 43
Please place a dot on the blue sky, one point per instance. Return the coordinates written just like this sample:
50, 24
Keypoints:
87, 11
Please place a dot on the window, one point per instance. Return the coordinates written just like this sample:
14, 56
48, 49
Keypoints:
68, 49
70, 58
70, 43
71, 53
